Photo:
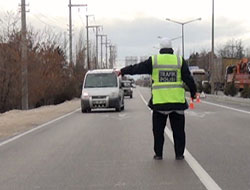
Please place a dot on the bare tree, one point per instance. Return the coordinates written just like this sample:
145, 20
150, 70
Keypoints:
200, 59
10, 63
81, 51
50, 79
113, 56
232, 49
247, 52
9, 26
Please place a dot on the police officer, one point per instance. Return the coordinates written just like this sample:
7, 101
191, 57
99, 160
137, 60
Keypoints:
168, 73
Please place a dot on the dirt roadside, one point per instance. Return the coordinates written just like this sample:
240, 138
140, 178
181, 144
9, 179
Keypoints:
17, 121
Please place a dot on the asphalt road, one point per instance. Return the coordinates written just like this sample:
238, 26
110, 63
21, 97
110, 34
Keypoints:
110, 150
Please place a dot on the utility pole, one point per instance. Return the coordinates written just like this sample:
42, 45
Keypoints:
70, 34
25, 91
70, 29
106, 45
96, 27
112, 56
87, 28
212, 53
102, 35
101, 51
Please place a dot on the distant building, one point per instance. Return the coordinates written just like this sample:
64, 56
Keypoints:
131, 60
143, 58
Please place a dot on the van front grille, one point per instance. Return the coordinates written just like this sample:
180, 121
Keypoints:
98, 97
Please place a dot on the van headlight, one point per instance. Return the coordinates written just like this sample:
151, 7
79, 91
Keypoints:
85, 95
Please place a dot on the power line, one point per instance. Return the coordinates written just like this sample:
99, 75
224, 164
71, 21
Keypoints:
45, 23
81, 19
36, 17
55, 21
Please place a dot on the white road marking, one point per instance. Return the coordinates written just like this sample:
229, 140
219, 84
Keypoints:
122, 115
200, 115
36, 128
218, 105
143, 99
204, 177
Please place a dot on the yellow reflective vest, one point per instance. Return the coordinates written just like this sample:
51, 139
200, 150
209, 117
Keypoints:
167, 84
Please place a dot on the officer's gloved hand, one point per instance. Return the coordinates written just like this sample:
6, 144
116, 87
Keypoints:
118, 72
193, 95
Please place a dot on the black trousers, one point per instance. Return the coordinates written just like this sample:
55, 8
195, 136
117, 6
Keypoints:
177, 122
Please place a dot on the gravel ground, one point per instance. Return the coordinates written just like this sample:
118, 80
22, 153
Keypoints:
17, 121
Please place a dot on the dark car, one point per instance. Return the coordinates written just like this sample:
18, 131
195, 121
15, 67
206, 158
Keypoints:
127, 88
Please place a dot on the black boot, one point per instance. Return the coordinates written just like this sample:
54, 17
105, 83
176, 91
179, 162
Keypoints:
157, 157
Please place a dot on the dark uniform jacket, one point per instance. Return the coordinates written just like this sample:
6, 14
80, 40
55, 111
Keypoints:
145, 67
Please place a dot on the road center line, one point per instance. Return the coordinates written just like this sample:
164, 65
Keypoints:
36, 128
204, 177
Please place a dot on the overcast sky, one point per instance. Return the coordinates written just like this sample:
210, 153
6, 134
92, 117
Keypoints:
134, 25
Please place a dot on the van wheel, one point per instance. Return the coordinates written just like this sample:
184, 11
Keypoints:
123, 105
85, 110
119, 107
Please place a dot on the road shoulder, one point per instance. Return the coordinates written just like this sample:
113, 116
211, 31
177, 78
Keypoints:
15, 122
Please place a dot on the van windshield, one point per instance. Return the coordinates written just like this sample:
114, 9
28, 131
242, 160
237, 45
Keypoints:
101, 80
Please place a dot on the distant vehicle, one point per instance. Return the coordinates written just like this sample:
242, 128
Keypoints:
127, 88
199, 75
201, 79
102, 89
239, 74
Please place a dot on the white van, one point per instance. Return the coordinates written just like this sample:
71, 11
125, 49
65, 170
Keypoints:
102, 89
